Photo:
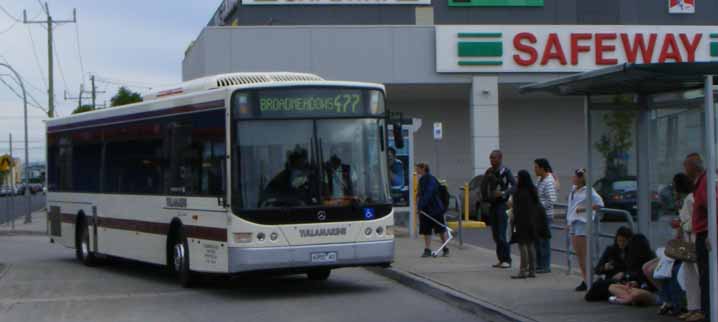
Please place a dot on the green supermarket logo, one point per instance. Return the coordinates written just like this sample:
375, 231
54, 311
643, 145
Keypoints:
480, 49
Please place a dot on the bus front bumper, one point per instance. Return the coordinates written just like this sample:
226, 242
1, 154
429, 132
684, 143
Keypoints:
297, 257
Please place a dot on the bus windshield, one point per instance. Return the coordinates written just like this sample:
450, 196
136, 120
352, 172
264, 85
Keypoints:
309, 158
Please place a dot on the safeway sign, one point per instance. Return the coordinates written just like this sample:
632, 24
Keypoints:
568, 48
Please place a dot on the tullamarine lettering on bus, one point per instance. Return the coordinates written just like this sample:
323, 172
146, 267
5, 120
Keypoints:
322, 232
176, 202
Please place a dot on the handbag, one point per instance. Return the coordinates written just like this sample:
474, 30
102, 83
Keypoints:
664, 269
681, 250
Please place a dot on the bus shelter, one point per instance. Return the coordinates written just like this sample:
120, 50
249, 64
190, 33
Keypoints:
641, 121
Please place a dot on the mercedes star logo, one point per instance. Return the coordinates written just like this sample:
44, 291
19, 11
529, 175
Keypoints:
322, 215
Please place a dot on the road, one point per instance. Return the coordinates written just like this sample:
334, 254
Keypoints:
16, 206
45, 283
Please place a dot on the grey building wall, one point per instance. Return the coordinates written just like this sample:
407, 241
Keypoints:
654, 12
384, 54
387, 54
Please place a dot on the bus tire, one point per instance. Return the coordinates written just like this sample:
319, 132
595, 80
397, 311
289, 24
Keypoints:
320, 274
180, 259
83, 251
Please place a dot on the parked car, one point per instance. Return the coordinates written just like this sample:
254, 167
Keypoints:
5, 191
622, 193
619, 193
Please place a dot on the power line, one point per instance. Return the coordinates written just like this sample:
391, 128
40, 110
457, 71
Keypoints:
9, 15
59, 65
8, 28
50, 44
20, 96
28, 94
34, 53
79, 52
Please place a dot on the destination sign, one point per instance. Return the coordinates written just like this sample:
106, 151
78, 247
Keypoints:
303, 102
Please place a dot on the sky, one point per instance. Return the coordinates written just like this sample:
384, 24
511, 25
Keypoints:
139, 44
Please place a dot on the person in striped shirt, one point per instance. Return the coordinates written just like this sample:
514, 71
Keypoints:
547, 196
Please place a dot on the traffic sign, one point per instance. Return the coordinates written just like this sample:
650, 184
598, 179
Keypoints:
5, 163
438, 131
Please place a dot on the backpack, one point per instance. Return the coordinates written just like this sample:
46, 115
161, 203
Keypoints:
443, 195
489, 184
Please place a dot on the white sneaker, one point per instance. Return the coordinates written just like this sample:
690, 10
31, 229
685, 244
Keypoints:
505, 265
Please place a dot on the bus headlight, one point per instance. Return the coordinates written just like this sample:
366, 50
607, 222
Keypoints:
273, 236
261, 236
368, 231
242, 238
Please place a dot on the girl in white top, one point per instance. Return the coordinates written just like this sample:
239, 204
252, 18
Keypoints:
683, 186
576, 218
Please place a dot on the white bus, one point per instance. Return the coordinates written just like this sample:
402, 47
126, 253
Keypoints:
279, 172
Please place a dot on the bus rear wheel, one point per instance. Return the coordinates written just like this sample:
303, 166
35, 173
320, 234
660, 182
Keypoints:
321, 274
180, 260
82, 244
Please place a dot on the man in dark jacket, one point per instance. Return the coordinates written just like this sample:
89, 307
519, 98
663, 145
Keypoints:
505, 187
430, 207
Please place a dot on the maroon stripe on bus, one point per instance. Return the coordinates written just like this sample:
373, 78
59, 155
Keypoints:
196, 232
135, 116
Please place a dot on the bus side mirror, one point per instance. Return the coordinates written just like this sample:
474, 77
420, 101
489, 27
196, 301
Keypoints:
398, 136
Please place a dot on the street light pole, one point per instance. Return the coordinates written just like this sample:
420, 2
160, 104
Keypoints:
28, 217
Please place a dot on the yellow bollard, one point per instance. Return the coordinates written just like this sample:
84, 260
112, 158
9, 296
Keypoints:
468, 223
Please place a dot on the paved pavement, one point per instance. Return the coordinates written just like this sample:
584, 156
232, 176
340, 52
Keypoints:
45, 283
467, 273
38, 225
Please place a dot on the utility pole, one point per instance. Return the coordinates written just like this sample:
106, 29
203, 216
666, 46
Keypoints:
79, 97
94, 91
50, 80
11, 211
28, 214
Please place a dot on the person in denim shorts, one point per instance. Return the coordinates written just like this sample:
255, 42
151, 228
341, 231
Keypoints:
576, 219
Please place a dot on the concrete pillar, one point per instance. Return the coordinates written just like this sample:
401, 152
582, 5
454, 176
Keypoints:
484, 120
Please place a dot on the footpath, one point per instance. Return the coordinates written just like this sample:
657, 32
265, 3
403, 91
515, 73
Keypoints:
467, 280
38, 226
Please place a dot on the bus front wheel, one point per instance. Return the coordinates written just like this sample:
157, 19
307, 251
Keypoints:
180, 260
82, 244
319, 274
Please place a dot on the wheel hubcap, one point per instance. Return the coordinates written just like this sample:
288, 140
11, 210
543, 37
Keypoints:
85, 247
178, 257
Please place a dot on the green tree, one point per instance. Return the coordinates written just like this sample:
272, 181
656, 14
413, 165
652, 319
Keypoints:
83, 109
125, 96
615, 144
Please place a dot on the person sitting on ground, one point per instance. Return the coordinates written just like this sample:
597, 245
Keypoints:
528, 224
634, 287
613, 260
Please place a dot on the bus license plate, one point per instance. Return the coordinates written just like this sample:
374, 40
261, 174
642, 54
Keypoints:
324, 257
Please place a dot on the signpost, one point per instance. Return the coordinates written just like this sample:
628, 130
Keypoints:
438, 135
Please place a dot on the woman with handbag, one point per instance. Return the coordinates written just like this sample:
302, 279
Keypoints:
683, 186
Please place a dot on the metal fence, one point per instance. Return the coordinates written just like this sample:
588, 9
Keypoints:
14, 207
597, 232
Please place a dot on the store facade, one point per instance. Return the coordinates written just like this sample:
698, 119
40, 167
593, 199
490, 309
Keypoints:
460, 63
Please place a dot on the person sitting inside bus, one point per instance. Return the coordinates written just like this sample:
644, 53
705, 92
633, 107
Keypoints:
339, 179
293, 186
